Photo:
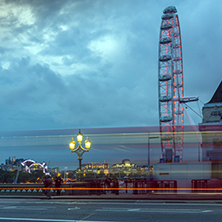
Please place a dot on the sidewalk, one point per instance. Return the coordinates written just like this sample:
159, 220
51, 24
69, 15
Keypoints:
125, 196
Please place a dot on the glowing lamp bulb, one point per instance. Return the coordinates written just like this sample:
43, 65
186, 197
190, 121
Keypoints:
79, 136
72, 144
87, 143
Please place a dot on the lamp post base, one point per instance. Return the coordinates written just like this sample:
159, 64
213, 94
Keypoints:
79, 175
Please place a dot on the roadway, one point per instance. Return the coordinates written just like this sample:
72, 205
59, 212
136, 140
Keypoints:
92, 210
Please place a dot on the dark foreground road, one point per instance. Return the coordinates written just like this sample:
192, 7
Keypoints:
61, 210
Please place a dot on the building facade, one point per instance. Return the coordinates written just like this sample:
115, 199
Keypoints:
211, 127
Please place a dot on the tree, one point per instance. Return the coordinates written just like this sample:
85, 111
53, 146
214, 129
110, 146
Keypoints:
6, 176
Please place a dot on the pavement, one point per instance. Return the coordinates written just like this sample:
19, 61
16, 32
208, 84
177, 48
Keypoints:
130, 196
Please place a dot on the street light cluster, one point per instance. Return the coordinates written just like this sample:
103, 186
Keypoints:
80, 150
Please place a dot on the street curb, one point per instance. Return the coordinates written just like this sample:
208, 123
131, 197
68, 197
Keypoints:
188, 197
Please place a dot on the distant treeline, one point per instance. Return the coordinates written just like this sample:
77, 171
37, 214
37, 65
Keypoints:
23, 177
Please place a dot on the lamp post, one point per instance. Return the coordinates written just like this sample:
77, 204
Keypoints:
80, 150
148, 167
150, 137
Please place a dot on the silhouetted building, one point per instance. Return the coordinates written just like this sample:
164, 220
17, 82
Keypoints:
11, 164
211, 127
96, 168
124, 169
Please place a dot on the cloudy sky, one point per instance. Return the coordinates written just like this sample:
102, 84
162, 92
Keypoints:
94, 63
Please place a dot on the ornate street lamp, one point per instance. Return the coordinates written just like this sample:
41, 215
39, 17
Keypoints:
80, 150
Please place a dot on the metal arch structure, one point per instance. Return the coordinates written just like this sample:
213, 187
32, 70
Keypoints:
29, 164
171, 89
43, 166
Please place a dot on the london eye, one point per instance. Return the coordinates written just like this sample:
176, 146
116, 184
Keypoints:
171, 87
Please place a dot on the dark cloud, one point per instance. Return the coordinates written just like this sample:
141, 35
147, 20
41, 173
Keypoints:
29, 95
201, 31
